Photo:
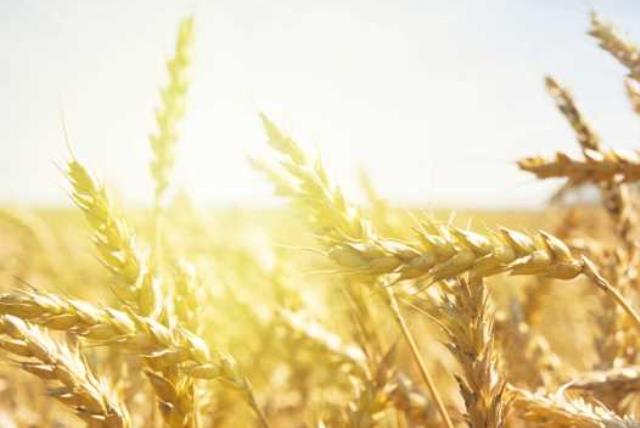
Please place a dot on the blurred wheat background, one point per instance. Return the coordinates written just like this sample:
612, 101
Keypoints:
183, 258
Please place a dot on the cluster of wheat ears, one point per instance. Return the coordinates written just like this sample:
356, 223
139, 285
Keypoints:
196, 330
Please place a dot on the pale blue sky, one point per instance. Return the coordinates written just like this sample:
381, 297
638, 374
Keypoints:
436, 99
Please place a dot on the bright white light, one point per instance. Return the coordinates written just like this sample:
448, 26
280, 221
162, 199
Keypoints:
435, 99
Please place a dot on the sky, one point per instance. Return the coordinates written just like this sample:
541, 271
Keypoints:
434, 99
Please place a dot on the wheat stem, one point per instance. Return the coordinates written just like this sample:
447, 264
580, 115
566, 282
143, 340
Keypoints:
592, 273
392, 302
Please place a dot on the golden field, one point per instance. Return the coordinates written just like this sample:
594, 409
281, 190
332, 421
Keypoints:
326, 313
248, 270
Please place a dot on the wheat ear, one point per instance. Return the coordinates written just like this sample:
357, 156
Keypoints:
586, 135
599, 166
596, 167
441, 251
334, 220
187, 292
463, 315
616, 44
633, 94
137, 287
614, 383
163, 350
559, 411
115, 242
617, 201
92, 399
172, 107
169, 354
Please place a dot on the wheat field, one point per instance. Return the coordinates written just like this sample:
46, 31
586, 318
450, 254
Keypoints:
327, 313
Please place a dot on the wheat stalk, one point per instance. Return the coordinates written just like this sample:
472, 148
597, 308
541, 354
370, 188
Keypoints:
397, 388
412, 402
91, 398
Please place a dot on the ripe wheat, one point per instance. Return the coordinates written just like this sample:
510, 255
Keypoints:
226, 326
